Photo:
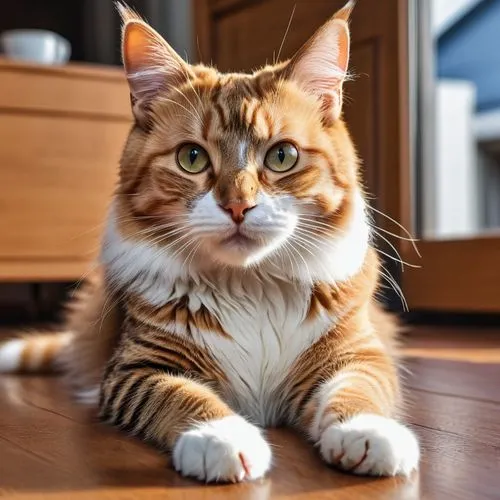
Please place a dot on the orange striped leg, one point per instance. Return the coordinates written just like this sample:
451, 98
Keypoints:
145, 393
350, 416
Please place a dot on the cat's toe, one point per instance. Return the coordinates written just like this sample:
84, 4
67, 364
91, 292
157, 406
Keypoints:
225, 450
370, 445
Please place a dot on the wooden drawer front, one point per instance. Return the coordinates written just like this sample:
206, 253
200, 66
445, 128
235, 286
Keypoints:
61, 92
56, 178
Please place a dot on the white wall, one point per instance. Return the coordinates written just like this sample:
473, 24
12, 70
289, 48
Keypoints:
451, 185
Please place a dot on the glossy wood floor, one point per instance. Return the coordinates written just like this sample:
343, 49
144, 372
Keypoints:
51, 449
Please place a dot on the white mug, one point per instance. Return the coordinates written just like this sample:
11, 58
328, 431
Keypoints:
37, 46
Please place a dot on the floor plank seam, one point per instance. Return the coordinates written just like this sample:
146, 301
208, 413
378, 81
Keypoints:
409, 389
53, 412
29, 452
451, 433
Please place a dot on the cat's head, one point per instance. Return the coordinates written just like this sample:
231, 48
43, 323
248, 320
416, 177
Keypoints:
238, 169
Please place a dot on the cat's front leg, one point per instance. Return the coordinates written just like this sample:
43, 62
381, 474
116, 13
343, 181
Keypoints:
349, 413
145, 394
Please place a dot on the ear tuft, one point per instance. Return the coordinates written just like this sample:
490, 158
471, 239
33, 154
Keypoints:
126, 13
345, 12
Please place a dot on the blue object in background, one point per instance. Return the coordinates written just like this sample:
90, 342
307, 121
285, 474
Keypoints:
470, 50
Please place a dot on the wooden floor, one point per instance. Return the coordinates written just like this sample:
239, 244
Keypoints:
50, 450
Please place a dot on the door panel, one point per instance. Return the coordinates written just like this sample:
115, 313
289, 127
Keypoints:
241, 35
457, 275
363, 95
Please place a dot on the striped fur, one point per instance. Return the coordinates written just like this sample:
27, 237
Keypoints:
199, 329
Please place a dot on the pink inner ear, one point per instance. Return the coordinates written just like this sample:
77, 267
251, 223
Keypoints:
150, 62
322, 63
146, 82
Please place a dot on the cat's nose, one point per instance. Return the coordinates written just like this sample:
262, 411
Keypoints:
238, 209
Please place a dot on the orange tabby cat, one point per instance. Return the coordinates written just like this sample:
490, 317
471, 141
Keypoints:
237, 274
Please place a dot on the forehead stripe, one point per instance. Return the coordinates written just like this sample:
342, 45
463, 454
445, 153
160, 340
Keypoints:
207, 121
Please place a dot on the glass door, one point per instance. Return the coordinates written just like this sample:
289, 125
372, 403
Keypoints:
455, 82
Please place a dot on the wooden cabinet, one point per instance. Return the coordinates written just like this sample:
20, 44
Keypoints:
61, 135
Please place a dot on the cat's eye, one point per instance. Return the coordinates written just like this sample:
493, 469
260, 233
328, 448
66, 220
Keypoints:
192, 158
281, 157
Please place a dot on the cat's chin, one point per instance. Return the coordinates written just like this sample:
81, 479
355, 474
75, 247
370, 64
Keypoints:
238, 251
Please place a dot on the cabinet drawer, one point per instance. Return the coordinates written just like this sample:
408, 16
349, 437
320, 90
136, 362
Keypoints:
73, 89
56, 179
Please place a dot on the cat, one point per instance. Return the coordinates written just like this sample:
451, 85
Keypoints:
237, 279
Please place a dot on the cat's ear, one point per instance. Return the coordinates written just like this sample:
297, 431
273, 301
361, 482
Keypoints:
151, 64
320, 65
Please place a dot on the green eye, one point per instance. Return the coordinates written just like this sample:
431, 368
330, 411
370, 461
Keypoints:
192, 158
281, 157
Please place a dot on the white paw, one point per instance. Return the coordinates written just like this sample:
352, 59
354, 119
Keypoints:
226, 450
370, 445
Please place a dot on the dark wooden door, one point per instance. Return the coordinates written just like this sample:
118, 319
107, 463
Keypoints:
241, 35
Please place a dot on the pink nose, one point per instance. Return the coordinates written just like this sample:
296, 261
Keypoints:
238, 209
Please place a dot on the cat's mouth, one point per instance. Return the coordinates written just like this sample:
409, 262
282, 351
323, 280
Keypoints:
239, 239
243, 246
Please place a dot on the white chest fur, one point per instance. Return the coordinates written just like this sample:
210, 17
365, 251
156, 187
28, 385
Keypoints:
268, 330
